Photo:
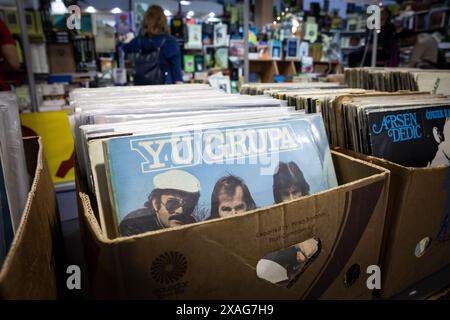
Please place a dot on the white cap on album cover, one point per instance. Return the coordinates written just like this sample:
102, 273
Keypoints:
271, 271
177, 180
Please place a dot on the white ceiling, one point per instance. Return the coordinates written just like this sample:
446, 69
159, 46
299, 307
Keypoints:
198, 6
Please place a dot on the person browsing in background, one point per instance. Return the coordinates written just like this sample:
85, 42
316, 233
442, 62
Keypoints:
386, 49
9, 60
156, 54
426, 48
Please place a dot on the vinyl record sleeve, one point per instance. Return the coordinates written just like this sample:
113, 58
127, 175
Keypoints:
258, 157
13, 157
412, 137
158, 122
94, 134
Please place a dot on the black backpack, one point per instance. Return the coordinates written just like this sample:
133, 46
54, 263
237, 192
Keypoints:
147, 69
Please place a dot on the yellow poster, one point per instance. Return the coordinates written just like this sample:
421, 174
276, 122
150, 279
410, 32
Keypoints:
54, 129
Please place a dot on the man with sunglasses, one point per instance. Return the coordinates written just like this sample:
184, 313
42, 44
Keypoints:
171, 203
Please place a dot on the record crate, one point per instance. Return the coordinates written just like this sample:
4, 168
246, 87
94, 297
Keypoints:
30, 270
417, 234
217, 259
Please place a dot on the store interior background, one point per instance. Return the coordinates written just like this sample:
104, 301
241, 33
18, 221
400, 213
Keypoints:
328, 32
59, 60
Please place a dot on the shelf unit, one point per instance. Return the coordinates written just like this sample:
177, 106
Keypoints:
350, 36
345, 32
421, 21
203, 51
269, 68
326, 67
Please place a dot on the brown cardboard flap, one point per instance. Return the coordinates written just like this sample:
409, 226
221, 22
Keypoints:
217, 259
28, 271
356, 171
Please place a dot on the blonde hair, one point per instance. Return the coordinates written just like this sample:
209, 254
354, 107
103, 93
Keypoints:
154, 22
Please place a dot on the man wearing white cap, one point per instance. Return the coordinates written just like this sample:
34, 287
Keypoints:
171, 203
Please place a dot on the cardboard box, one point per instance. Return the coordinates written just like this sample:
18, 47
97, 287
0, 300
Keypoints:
217, 259
418, 200
30, 268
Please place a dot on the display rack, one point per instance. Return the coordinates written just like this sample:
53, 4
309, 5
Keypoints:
269, 68
325, 67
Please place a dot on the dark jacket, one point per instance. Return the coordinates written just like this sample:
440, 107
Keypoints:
386, 41
144, 220
170, 57
139, 221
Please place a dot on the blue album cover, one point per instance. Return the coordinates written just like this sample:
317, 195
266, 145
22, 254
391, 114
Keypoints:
162, 180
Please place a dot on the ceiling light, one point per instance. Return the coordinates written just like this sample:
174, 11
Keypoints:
211, 14
116, 10
57, 7
185, 3
167, 13
91, 9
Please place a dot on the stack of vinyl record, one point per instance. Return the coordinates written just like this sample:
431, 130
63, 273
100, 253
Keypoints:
314, 101
261, 88
411, 129
389, 80
14, 180
309, 100
406, 127
396, 79
158, 157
